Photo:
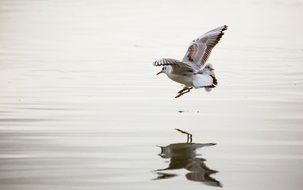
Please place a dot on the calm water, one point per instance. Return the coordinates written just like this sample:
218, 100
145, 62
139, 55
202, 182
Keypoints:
82, 108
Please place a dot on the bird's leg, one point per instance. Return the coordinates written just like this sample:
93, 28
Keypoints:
183, 91
185, 88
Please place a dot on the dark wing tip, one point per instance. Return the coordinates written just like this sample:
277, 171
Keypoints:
156, 63
224, 27
164, 61
222, 33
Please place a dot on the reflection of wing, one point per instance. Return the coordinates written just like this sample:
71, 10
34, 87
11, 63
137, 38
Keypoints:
205, 178
162, 175
178, 66
200, 48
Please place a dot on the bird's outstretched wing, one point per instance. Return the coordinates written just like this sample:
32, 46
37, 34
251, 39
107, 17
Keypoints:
200, 48
178, 66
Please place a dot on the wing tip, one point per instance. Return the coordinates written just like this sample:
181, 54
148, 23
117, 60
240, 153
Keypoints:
156, 63
162, 62
225, 27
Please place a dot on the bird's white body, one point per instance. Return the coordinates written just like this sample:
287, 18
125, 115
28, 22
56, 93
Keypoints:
189, 79
203, 80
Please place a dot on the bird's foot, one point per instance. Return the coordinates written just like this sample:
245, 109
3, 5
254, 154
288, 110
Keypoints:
178, 95
182, 90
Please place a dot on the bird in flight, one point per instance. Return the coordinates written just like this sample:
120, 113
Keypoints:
192, 71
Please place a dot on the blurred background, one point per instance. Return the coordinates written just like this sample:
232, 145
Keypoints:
81, 106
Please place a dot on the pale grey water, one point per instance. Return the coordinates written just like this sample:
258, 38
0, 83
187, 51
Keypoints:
81, 107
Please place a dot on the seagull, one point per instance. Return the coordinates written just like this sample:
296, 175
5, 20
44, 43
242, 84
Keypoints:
192, 71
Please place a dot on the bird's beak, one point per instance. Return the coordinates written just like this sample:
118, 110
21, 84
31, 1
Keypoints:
211, 69
160, 72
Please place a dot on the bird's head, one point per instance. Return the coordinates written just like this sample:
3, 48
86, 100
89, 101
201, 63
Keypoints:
165, 69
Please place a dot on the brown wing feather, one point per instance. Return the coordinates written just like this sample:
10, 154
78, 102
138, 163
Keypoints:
211, 43
192, 51
200, 49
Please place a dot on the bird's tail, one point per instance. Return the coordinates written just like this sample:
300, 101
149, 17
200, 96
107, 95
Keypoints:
204, 81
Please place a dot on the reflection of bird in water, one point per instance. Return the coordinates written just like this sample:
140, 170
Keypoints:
192, 71
183, 155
